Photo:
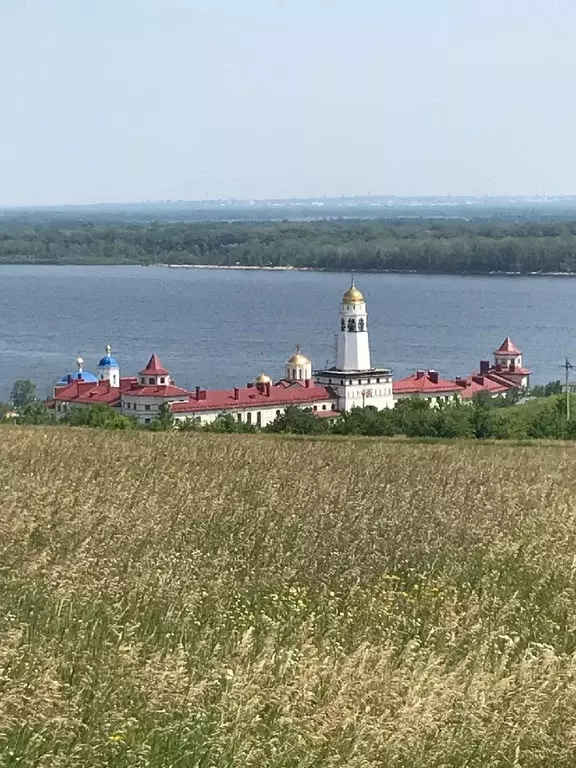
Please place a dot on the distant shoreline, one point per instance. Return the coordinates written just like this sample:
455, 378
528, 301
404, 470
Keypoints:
361, 271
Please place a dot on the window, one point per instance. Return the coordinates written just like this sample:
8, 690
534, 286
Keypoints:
146, 421
259, 418
314, 407
146, 407
277, 413
324, 407
341, 381
377, 381
239, 418
342, 325
163, 380
151, 381
249, 417
361, 324
351, 324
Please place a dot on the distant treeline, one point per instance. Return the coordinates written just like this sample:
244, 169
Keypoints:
419, 245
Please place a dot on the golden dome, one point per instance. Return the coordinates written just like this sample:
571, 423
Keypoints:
263, 379
353, 296
298, 358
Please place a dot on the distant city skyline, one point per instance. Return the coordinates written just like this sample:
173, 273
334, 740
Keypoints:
152, 100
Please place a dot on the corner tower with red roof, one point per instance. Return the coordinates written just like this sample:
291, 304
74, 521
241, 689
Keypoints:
153, 388
508, 364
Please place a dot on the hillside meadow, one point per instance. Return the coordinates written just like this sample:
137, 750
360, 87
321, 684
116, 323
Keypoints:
176, 600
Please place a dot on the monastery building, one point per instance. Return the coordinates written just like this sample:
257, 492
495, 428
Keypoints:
351, 382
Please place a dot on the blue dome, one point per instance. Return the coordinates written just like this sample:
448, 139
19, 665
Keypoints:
77, 375
108, 362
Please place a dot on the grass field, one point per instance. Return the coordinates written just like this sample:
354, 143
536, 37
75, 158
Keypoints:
215, 601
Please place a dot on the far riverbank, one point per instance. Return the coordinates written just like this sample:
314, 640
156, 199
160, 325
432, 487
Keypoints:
248, 267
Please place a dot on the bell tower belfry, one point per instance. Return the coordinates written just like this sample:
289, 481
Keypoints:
355, 382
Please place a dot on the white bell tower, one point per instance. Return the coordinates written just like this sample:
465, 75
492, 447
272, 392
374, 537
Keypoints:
353, 379
353, 347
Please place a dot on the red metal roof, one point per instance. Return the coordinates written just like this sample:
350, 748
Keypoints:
252, 397
481, 383
507, 348
327, 414
424, 382
154, 368
87, 393
156, 390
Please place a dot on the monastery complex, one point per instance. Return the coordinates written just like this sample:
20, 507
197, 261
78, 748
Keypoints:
353, 381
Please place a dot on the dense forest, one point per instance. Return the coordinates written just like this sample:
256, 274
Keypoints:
420, 245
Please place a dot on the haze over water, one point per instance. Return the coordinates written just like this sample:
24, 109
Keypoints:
217, 328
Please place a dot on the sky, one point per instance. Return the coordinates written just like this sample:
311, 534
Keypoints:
133, 100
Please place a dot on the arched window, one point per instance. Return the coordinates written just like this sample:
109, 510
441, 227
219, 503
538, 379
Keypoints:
239, 417
342, 324
249, 418
351, 324
361, 324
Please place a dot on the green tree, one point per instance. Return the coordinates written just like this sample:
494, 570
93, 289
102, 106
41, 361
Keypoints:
100, 416
23, 393
164, 421
299, 421
482, 416
35, 413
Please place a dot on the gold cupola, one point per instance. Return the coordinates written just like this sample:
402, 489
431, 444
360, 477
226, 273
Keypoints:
353, 295
298, 367
298, 358
263, 379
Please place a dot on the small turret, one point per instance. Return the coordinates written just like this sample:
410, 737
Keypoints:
108, 368
298, 367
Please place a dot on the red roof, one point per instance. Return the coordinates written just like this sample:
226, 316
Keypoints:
327, 414
507, 348
481, 383
154, 368
224, 399
87, 393
156, 390
424, 382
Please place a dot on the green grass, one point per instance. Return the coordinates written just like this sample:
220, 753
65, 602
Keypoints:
215, 601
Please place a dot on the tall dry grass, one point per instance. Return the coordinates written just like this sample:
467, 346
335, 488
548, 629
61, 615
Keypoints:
197, 600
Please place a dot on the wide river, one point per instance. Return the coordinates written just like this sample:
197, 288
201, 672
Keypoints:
216, 328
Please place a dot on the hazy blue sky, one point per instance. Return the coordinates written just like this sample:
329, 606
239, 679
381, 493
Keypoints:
113, 100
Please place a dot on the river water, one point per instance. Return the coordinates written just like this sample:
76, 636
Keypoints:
216, 328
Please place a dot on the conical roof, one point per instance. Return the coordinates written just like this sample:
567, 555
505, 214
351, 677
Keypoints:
507, 348
154, 367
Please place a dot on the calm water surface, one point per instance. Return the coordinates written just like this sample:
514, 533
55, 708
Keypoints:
218, 327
